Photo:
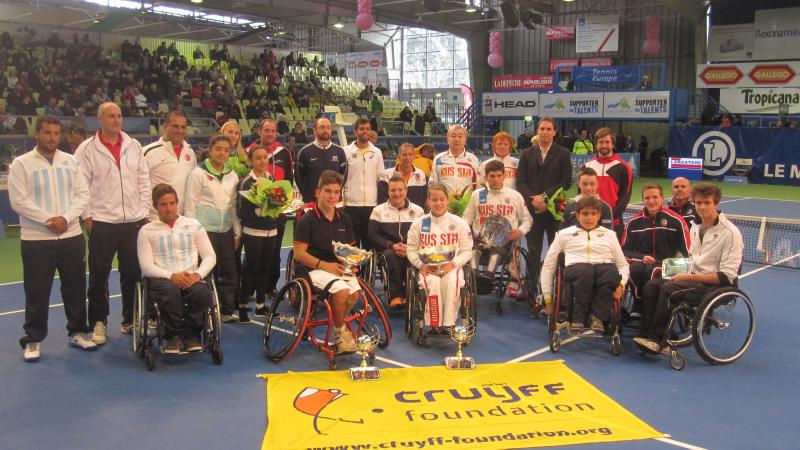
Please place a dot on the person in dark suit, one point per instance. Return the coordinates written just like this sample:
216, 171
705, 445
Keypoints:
543, 169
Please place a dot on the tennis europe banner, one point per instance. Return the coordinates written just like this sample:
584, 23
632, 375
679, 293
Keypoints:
495, 406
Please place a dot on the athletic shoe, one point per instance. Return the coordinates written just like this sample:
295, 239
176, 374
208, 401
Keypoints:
649, 344
99, 333
597, 325
174, 346
261, 311
31, 353
345, 343
243, 316
397, 303
126, 328
152, 323
229, 318
576, 327
513, 290
81, 341
193, 345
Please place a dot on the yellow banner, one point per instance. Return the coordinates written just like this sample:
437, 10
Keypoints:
494, 406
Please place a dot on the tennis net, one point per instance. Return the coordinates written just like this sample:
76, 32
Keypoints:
767, 240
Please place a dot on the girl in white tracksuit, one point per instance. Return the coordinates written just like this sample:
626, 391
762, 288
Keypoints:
440, 227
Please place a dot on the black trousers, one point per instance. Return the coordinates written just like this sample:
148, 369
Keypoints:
274, 274
258, 262
179, 320
226, 271
657, 308
640, 275
593, 287
40, 260
360, 216
396, 268
542, 223
106, 240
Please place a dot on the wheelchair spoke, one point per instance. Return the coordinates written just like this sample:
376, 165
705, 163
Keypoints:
727, 327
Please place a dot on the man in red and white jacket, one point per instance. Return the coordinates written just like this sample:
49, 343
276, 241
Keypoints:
614, 176
456, 168
115, 170
171, 159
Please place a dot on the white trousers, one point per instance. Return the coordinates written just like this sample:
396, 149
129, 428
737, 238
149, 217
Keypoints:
441, 309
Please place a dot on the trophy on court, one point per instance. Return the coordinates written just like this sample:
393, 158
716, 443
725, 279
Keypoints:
349, 256
461, 334
673, 266
366, 342
437, 255
494, 231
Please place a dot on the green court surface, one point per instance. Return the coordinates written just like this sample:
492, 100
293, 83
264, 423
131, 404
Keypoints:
11, 266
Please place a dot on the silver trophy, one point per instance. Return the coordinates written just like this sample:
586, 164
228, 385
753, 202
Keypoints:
349, 256
366, 343
494, 231
461, 334
673, 266
437, 255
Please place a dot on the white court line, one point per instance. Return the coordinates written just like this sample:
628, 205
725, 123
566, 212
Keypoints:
755, 271
680, 444
735, 200
8, 313
542, 350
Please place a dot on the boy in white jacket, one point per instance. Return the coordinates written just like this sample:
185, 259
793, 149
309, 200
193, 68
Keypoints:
596, 268
440, 227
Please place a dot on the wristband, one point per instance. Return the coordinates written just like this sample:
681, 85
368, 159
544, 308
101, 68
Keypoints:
317, 266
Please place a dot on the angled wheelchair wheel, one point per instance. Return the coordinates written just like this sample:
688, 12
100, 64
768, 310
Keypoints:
416, 308
411, 295
289, 274
383, 272
527, 277
680, 326
287, 319
469, 305
213, 319
367, 271
139, 319
369, 311
723, 326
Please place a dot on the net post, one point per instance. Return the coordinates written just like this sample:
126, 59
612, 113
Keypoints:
760, 245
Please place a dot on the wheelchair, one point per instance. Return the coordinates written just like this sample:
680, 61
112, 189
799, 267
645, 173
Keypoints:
145, 309
302, 312
416, 297
561, 314
375, 270
719, 322
512, 266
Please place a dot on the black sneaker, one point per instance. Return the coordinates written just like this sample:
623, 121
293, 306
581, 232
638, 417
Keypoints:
243, 316
262, 311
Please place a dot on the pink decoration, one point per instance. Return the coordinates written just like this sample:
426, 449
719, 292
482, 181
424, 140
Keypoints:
495, 59
652, 31
651, 47
364, 17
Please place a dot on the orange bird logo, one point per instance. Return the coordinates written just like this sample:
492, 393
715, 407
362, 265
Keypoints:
312, 401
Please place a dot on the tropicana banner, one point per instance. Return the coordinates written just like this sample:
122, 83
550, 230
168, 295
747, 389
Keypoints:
494, 406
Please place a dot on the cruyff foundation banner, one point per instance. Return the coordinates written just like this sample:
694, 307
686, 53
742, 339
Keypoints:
495, 406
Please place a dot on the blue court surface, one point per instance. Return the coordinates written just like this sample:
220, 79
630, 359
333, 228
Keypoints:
108, 400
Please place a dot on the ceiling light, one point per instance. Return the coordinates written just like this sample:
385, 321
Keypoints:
470, 6
280, 33
338, 24
196, 1
96, 21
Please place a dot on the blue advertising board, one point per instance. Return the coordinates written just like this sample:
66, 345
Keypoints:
776, 159
607, 75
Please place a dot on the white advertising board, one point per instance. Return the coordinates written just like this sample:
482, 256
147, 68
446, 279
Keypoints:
776, 34
597, 34
730, 43
586, 105
759, 100
510, 104
636, 105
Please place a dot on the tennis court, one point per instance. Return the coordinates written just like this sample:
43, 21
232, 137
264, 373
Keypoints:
107, 399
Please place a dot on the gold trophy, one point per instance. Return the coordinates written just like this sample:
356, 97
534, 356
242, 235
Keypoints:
366, 343
461, 334
349, 256
437, 255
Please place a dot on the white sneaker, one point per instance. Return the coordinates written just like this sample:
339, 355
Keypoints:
31, 353
81, 341
99, 335
345, 343
126, 328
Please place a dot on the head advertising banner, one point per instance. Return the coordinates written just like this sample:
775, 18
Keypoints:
516, 104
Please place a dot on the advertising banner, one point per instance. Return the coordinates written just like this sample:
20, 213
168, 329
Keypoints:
494, 406
773, 151
636, 105
595, 62
730, 42
516, 104
776, 34
523, 83
597, 34
776, 73
760, 100
559, 33
368, 67
561, 64
583, 105
689, 168
607, 75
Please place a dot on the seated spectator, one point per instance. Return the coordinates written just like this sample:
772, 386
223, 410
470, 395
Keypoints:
299, 133
197, 53
52, 108
283, 127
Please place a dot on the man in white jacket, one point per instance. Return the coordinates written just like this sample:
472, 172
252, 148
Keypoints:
115, 170
596, 268
456, 168
168, 254
171, 159
48, 192
364, 168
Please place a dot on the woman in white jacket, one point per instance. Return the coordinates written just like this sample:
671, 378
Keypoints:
211, 199
440, 227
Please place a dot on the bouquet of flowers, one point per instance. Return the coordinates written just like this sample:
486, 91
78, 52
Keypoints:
557, 203
458, 202
271, 196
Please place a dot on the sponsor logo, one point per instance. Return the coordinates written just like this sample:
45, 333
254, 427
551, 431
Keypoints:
771, 73
717, 150
721, 75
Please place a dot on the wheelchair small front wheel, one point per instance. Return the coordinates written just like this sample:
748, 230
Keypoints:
555, 341
150, 359
676, 360
616, 345
217, 355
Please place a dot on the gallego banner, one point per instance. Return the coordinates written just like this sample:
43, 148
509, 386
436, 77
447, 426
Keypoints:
516, 104
773, 151
606, 75
636, 105
587, 105
495, 406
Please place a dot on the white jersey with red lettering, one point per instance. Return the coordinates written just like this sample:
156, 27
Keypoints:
510, 173
504, 202
455, 172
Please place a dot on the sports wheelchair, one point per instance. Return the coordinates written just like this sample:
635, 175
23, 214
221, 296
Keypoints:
512, 265
301, 312
376, 270
146, 309
720, 322
561, 314
416, 298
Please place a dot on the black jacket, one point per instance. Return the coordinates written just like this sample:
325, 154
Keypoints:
535, 178
246, 210
664, 236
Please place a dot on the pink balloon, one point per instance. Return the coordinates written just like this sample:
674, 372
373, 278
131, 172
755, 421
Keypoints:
495, 60
651, 47
364, 22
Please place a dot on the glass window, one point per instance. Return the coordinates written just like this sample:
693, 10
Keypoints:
433, 59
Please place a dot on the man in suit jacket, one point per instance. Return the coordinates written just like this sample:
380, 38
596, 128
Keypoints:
543, 169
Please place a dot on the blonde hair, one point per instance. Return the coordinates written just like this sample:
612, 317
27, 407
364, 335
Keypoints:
229, 124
